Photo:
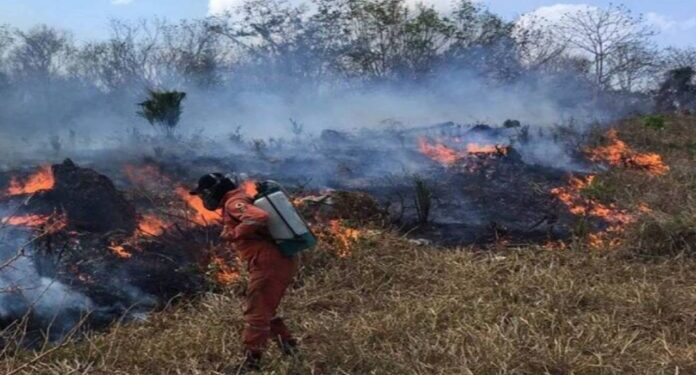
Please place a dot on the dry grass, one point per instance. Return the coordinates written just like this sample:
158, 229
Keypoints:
393, 308
671, 228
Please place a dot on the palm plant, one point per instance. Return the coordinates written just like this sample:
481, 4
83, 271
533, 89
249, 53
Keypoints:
163, 109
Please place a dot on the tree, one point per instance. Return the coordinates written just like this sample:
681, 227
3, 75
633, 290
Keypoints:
163, 108
633, 66
678, 91
675, 58
389, 40
267, 38
6, 41
127, 60
192, 50
483, 42
41, 53
538, 46
604, 35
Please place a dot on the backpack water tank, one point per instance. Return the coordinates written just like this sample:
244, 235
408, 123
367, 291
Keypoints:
287, 227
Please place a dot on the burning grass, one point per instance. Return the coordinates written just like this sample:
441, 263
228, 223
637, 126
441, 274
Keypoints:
40, 180
617, 153
388, 306
449, 156
646, 197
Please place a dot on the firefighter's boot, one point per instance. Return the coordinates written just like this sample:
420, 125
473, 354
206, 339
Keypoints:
251, 362
288, 347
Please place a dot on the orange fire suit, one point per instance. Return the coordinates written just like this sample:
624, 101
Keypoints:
270, 272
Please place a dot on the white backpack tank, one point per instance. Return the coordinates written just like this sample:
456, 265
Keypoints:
287, 227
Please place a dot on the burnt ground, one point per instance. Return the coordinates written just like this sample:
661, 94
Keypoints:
480, 199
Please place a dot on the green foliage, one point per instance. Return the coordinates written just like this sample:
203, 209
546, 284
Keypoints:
678, 91
600, 190
656, 122
163, 108
509, 124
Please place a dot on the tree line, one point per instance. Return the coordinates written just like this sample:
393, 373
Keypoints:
330, 43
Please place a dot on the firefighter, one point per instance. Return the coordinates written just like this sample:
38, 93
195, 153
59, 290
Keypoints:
270, 272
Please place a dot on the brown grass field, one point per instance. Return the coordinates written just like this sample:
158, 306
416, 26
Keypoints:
394, 308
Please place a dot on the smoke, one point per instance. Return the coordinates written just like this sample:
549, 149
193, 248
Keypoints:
26, 293
30, 290
84, 120
448, 96
375, 126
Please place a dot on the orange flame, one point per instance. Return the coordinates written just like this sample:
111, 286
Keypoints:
48, 224
41, 180
618, 153
438, 152
224, 273
448, 156
152, 225
475, 148
120, 251
203, 216
30, 221
345, 237
571, 196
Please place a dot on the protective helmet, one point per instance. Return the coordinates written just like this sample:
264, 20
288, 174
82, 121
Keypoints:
212, 188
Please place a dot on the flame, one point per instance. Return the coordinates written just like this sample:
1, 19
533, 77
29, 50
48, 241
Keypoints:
41, 180
475, 148
120, 251
644, 208
555, 245
448, 156
224, 273
618, 153
30, 221
203, 216
344, 237
571, 196
438, 152
152, 225
48, 224
250, 188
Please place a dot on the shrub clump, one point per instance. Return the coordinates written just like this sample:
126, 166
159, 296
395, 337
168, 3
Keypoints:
163, 108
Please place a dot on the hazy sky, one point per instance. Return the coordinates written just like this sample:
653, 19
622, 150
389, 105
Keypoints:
88, 19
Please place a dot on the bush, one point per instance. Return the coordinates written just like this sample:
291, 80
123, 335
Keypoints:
423, 199
163, 108
656, 122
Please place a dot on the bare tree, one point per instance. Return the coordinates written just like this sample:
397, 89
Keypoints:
41, 52
191, 50
675, 58
483, 42
126, 59
633, 66
6, 39
538, 46
604, 34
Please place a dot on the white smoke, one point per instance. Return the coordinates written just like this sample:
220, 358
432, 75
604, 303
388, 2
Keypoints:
25, 292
